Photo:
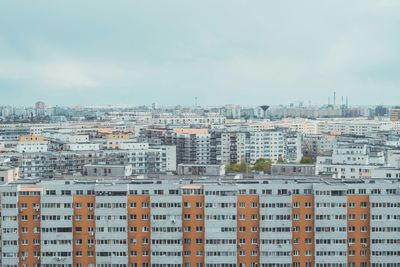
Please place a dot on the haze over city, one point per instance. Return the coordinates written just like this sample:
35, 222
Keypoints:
169, 52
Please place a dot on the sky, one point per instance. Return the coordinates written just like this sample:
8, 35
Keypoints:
221, 51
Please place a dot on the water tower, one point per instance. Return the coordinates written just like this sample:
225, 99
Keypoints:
264, 108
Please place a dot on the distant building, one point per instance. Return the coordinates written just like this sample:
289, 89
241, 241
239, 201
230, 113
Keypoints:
40, 109
40, 105
381, 111
395, 114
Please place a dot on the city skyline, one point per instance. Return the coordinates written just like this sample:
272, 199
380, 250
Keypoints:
139, 53
200, 133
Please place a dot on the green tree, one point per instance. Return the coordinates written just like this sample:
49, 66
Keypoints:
262, 164
242, 167
306, 160
280, 160
232, 168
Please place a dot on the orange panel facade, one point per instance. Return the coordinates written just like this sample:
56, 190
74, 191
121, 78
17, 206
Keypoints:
303, 239
29, 228
358, 228
84, 226
193, 241
248, 234
139, 230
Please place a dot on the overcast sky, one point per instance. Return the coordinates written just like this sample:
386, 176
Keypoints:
222, 51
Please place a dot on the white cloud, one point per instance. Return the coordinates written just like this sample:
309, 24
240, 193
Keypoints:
67, 74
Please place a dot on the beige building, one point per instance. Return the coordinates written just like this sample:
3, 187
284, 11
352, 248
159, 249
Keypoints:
31, 138
395, 114
8, 174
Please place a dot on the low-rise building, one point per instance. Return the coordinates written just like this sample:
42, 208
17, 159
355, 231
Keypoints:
8, 174
108, 170
293, 169
201, 170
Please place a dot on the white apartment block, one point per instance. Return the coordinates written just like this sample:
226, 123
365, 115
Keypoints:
293, 147
353, 126
188, 119
351, 160
267, 145
304, 126
32, 147
82, 147
133, 145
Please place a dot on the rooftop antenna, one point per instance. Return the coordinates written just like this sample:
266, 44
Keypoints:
347, 101
195, 102
334, 98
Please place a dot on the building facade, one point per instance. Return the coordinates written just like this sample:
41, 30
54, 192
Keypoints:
214, 223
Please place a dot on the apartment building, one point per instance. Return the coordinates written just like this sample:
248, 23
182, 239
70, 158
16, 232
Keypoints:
293, 147
353, 126
71, 142
12, 133
228, 147
267, 144
114, 140
156, 159
31, 144
215, 223
304, 126
351, 160
317, 144
192, 145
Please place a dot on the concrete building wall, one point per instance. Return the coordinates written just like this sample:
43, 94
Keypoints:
163, 222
